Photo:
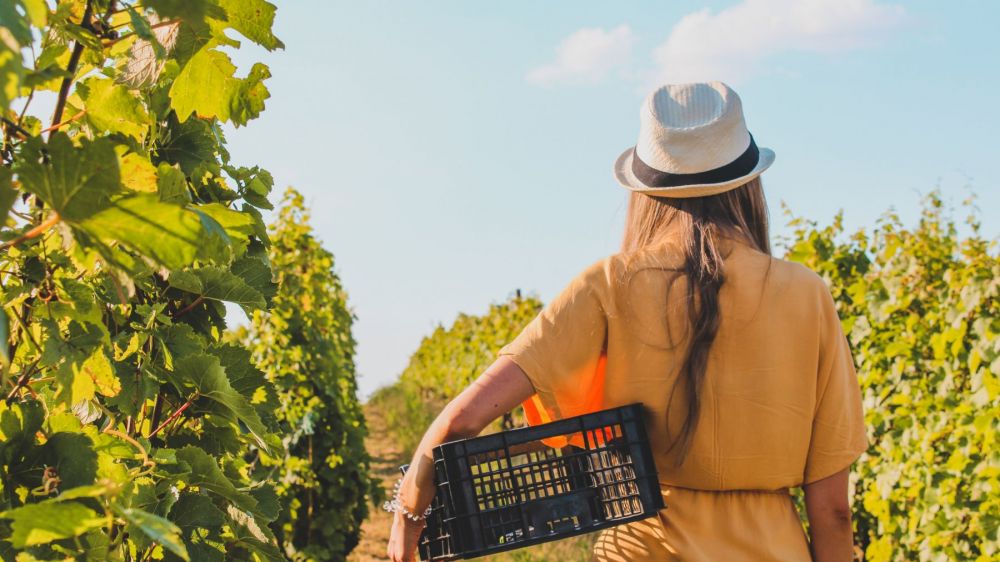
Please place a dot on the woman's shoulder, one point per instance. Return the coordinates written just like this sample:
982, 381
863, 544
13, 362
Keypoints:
775, 269
797, 272
801, 277
601, 277
598, 274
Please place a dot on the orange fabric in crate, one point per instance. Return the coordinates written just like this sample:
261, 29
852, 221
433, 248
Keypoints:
536, 413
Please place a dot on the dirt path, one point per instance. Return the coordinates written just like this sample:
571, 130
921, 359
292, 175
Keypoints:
386, 460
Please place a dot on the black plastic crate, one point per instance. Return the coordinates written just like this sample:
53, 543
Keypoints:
510, 489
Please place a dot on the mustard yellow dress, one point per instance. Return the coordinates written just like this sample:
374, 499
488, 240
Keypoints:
781, 405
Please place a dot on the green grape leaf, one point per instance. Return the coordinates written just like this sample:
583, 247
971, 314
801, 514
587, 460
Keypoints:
257, 274
191, 144
255, 185
72, 387
164, 232
48, 521
73, 456
268, 502
259, 228
216, 241
254, 19
188, 10
53, 54
76, 301
18, 424
37, 12
196, 511
135, 390
249, 381
216, 283
79, 381
205, 473
205, 374
11, 74
239, 227
78, 342
138, 173
244, 377
99, 370
157, 528
8, 195
113, 108
16, 25
180, 340
207, 549
172, 185
95, 545
85, 36
207, 87
76, 182
186, 280
42, 78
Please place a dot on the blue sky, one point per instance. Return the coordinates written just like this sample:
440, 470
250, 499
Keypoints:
455, 151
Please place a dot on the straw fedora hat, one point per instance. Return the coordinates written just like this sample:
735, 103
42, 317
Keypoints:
693, 142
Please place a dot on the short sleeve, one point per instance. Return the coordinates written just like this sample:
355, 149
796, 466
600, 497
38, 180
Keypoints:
838, 429
562, 351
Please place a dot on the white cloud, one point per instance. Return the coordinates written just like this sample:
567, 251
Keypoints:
730, 45
586, 56
733, 44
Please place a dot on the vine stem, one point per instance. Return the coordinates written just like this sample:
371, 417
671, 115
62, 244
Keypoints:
175, 414
74, 62
21, 382
154, 419
190, 307
12, 347
118, 290
309, 511
17, 128
34, 232
148, 555
55, 126
133, 442
109, 42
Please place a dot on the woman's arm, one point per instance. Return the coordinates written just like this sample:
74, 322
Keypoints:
829, 513
498, 390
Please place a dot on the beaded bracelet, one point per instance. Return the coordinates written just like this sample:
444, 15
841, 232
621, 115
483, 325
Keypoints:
395, 505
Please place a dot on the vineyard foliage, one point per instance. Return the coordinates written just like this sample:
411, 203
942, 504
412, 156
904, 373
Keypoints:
130, 428
305, 348
445, 363
921, 308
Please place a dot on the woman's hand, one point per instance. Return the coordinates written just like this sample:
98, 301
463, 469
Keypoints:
499, 389
403, 538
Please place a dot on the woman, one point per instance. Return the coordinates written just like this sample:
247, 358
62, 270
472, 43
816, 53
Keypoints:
747, 381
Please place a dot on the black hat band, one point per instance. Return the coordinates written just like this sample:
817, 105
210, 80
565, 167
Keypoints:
743, 165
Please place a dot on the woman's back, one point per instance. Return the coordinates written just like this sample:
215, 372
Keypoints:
780, 404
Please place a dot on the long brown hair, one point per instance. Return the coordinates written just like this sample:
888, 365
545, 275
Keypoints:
698, 224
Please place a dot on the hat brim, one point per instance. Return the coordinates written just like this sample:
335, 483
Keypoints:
624, 175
